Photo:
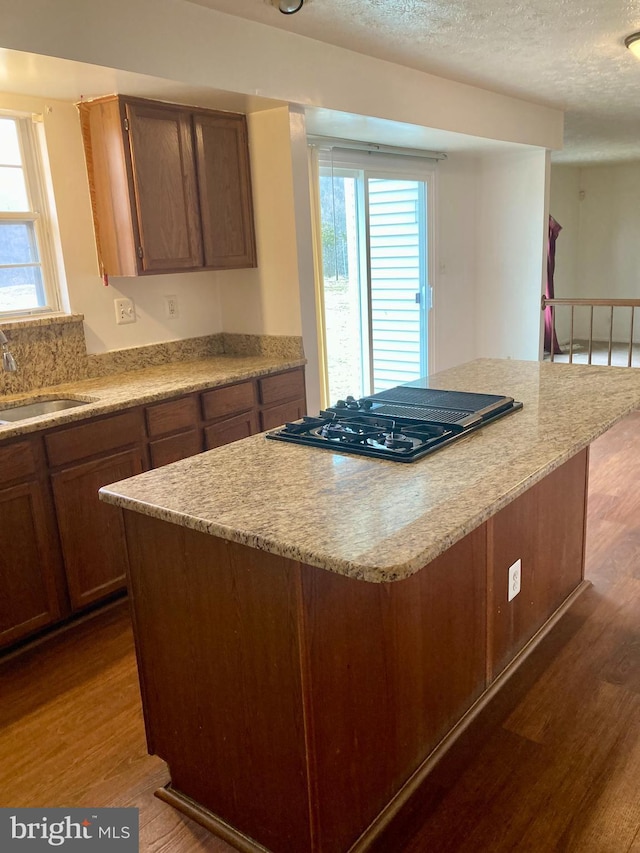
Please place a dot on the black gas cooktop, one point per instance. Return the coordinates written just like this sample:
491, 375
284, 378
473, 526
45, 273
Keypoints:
403, 423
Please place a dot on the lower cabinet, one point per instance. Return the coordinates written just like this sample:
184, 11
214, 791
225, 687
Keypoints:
62, 549
31, 578
88, 457
91, 532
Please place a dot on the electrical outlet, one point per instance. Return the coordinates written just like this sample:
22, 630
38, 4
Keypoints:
171, 307
125, 310
515, 572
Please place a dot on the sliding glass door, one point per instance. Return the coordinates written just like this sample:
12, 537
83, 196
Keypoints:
376, 283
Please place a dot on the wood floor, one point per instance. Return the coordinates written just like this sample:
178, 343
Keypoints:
553, 764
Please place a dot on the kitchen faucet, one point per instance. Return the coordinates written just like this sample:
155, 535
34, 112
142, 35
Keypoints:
8, 361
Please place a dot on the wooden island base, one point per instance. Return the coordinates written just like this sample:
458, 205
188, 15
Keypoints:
296, 708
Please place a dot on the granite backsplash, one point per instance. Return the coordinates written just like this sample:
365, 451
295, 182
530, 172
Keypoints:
51, 351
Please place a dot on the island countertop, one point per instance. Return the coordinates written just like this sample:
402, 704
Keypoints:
378, 520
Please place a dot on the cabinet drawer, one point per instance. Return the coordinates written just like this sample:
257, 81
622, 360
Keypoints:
175, 447
229, 400
172, 416
278, 415
95, 437
231, 430
282, 386
17, 461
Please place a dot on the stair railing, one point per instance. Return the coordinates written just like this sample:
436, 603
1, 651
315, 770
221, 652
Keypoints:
591, 304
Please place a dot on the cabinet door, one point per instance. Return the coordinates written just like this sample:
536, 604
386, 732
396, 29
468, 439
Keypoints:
163, 174
29, 562
224, 183
92, 532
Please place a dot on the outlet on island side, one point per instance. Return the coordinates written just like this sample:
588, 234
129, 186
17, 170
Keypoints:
125, 310
515, 572
171, 307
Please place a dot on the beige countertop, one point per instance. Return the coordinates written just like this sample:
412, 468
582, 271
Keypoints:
137, 387
380, 520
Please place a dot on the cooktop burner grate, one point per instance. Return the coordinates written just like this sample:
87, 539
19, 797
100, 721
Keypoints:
401, 432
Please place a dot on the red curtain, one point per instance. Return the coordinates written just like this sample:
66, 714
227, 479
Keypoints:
549, 331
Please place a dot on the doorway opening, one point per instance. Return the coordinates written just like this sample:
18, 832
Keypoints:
376, 226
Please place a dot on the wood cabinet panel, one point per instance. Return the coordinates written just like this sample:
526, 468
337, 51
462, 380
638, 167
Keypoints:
92, 532
163, 451
113, 207
170, 186
164, 187
230, 400
230, 430
218, 650
94, 437
172, 416
544, 528
307, 680
17, 461
391, 668
277, 415
281, 386
32, 586
226, 206
29, 563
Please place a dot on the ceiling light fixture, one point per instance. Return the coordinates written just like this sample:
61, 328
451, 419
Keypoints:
633, 43
288, 7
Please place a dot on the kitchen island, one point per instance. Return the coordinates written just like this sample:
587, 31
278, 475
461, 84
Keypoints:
313, 627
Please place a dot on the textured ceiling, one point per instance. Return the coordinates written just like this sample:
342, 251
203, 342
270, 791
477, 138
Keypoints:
563, 53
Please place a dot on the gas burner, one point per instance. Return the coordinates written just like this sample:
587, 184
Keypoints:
403, 424
347, 431
397, 440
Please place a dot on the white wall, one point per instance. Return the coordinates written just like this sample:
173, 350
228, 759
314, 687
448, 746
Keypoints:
564, 206
454, 287
598, 249
512, 216
267, 299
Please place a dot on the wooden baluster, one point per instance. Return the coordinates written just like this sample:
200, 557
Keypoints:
590, 336
610, 335
571, 336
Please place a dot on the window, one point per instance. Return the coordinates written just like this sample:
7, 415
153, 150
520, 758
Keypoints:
27, 273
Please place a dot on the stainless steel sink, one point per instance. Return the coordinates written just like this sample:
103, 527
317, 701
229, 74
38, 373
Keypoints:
39, 407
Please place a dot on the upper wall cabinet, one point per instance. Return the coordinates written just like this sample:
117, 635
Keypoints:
170, 186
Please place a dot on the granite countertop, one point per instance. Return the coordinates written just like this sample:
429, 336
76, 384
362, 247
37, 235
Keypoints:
379, 520
140, 387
